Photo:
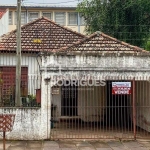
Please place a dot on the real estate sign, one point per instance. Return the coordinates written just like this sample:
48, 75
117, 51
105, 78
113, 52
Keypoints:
121, 88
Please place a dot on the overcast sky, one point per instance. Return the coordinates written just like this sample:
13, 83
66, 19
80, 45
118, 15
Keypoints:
41, 2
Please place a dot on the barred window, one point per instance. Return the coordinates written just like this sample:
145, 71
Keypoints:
72, 18
60, 18
47, 15
10, 18
23, 17
33, 15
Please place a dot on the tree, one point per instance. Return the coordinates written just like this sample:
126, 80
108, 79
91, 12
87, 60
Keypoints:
127, 20
147, 45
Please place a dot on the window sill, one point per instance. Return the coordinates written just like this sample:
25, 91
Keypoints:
72, 25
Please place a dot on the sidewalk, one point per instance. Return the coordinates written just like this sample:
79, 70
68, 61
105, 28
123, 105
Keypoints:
77, 145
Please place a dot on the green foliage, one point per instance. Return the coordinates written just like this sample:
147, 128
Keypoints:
32, 100
127, 20
31, 97
147, 45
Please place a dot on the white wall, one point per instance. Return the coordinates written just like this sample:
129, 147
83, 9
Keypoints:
56, 100
142, 99
123, 67
29, 61
91, 103
4, 24
35, 123
109, 62
32, 123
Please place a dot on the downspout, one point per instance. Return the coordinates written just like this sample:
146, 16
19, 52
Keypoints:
78, 22
26, 16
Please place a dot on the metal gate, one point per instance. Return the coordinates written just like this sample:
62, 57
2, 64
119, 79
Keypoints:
112, 108
7, 90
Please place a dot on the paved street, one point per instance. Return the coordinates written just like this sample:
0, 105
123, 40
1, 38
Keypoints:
77, 145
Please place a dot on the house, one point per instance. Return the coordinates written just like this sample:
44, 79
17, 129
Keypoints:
99, 88
30, 120
64, 15
91, 87
3, 21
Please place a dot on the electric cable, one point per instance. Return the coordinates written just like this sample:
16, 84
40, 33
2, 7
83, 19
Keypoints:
52, 3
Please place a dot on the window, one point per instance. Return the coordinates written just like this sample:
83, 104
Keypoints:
72, 18
10, 18
23, 17
29, 88
33, 15
8, 87
60, 18
47, 15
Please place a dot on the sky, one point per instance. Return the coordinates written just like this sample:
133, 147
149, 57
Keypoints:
42, 2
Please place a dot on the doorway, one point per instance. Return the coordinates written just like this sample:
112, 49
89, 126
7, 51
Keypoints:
69, 99
118, 113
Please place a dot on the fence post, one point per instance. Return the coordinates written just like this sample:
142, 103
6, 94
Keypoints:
134, 108
4, 140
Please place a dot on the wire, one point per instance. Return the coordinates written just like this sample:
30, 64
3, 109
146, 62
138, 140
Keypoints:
24, 5
52, 3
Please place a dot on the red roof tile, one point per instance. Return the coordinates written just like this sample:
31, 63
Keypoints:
2, 12
50, 36
99, 42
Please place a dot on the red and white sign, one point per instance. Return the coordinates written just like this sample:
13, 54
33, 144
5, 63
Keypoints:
121, 88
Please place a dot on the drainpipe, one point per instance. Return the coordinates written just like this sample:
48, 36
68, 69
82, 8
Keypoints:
78, 22
26, 16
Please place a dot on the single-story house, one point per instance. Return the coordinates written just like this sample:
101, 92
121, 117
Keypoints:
120, 100
37, 37
64, 64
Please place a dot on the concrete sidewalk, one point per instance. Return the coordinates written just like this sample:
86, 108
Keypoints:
77, 145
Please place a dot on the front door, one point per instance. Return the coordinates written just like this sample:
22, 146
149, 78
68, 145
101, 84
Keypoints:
69, 100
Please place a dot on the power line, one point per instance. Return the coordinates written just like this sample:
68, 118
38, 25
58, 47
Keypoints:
52, 3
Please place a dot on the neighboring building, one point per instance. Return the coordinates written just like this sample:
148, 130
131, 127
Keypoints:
3, 21
65, 16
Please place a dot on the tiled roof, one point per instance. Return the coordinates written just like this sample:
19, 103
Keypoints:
99, 42
50, 36
2, 12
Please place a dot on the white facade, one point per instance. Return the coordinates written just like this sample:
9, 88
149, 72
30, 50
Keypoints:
30, 61
30, 123
34, 123
127, 67
4, 25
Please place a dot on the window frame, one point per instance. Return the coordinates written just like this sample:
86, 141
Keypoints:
72, 24
64, 24
25, 19
51, 14
30, 12
10, 22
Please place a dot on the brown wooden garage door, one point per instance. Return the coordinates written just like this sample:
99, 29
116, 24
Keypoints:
9, 77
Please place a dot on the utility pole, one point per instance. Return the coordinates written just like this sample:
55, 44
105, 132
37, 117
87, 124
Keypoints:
78, 20
18, 55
